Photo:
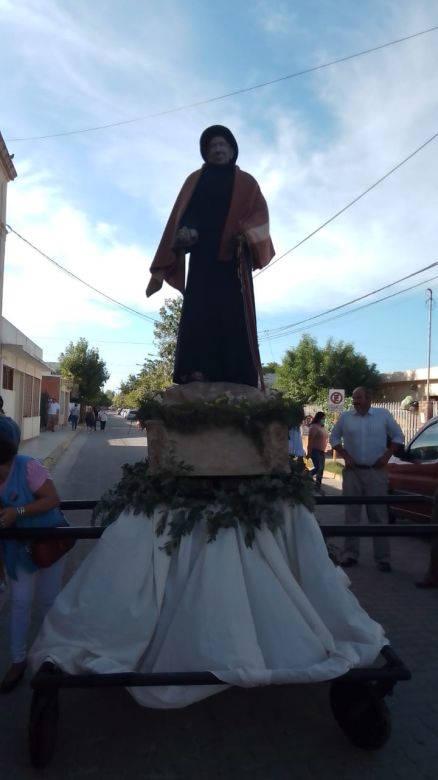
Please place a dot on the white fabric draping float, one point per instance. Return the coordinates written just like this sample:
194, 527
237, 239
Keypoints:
279, 612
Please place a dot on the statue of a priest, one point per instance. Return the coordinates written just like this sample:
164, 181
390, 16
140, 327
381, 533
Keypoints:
221, 218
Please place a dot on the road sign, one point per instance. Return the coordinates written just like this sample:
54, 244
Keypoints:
336, 400
306, 423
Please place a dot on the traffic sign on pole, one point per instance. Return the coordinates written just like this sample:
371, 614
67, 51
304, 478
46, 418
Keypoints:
336, 399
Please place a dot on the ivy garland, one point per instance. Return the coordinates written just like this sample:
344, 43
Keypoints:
226, 410
220, 502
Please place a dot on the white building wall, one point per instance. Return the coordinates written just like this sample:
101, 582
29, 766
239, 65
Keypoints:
3, 184
24, 357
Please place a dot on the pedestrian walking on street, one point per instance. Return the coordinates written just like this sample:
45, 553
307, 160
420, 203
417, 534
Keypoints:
366, 437
102, 419
74, 416
316, 447
28, 497
96, 415
52, 414
90, 420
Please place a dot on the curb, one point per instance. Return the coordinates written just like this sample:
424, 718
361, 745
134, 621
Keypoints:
332, 475
51, 460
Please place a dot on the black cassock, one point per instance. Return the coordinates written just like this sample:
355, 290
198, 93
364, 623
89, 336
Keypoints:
213, 337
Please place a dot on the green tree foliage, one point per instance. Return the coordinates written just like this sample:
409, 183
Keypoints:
82, 365
270, 368
308, 371
166, 331
103, 398
156, 374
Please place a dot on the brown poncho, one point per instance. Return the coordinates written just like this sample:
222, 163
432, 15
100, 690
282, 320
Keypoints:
248, 215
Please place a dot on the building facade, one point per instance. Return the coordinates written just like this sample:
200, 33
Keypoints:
21, 361
58, 388
413, 382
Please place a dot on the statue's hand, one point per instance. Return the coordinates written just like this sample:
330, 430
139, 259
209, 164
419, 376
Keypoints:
186, 237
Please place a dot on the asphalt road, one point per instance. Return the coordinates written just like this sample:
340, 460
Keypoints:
267, 733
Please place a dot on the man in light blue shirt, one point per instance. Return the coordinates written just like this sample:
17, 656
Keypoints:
366, 437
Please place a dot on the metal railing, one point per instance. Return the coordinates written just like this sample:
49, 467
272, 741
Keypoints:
371, 529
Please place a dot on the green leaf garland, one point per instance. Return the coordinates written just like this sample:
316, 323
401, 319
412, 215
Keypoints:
224, 411
220, 502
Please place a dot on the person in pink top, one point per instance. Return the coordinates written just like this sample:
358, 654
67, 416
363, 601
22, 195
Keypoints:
316, 446
27, 497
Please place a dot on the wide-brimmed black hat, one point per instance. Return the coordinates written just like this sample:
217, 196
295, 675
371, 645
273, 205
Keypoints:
212, 132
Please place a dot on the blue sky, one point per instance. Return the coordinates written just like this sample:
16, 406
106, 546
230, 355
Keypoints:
97, 202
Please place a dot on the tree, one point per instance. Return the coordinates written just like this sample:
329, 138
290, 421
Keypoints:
83, 366
156, 374
270, 368
166, 331
308, 371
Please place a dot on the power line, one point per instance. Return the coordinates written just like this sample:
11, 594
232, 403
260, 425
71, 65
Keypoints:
78, 279
275, 331
242, 91
352, 311
351, 203
306, 238
97, 341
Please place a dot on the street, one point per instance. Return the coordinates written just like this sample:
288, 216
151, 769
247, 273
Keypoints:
266, 733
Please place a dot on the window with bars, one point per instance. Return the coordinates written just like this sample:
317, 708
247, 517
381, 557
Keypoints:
27, 396
31, 397
36, 397
8, 378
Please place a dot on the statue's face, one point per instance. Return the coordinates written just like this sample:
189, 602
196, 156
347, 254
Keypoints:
219, 151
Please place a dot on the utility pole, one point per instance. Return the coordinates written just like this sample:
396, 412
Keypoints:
429, 342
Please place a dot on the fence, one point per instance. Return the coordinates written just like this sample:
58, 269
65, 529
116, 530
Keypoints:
409, 420
392, 529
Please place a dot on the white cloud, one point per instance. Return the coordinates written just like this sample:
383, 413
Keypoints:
91, 252
276, 20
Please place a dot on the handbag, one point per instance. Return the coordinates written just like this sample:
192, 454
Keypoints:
44, 552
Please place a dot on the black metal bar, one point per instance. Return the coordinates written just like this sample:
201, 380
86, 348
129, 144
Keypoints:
387, 673
154, 679
59, 532
392, 499
391, 657
85, 532
379, 530
74, 504
127, 679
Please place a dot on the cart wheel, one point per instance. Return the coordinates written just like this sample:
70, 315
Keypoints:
361, 713
43, 722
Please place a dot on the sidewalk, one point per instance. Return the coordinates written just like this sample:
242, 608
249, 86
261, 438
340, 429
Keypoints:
49, 446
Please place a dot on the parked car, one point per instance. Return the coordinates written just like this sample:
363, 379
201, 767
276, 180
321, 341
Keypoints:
416, 471
131, 414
